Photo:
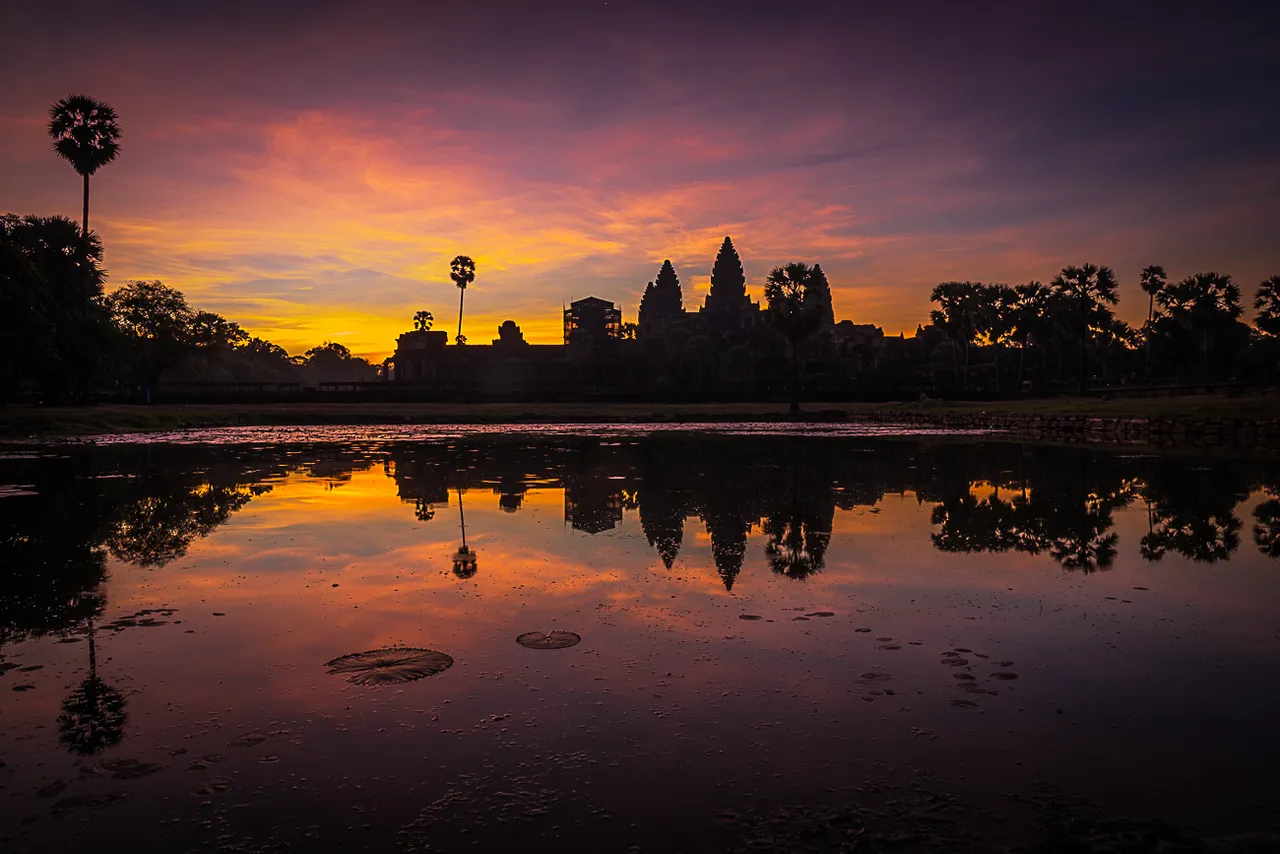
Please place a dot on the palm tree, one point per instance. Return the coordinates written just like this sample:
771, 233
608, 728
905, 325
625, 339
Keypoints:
86, 134
1153, 281
1086, 289
422, 321
463, 272
998, 304
1267, 303
795, 308
1032, 323
1203, 304
959, 315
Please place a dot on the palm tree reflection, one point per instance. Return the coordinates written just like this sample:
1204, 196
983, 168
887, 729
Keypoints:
1266, 527
93, 715
464, 559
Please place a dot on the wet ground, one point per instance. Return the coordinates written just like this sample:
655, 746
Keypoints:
635, 641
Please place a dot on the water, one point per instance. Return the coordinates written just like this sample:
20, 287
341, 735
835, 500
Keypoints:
787, 640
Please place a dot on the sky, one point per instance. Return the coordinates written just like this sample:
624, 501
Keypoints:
309, 169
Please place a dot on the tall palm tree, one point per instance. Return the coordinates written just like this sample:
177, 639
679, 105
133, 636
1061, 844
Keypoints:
1087, 289
1153, 281
463, 272
795, 309
86, 133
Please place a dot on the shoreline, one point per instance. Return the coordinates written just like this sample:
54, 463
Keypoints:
1245, 421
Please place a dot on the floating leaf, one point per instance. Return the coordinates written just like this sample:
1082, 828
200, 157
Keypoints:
390, 666
553, 640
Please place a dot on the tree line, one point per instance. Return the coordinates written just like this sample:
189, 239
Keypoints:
1068, 327
63, 339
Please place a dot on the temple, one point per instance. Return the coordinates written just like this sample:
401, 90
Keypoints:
724, 349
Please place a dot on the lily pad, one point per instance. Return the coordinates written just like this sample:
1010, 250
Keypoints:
550, 640
390, 666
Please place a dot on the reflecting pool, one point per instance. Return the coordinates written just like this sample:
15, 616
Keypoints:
646, 641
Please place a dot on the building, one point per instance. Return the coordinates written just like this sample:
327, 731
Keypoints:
417, 355
593, 319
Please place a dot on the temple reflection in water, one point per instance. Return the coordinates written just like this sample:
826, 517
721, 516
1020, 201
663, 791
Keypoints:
146, 505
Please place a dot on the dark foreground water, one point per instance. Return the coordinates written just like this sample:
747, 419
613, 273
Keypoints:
788, 643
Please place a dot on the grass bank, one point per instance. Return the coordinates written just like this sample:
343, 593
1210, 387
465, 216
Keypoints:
34, 422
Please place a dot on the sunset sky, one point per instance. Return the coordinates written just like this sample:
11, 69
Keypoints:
308, 169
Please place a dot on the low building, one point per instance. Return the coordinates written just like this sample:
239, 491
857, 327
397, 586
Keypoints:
592, 318
418, 354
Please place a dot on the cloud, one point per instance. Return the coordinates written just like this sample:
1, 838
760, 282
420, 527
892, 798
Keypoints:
311, 176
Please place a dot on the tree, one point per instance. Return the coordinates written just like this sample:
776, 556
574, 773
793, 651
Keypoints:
333, 362
53, 329
422, 321
959, 315
157, 324
1153, 281
86, 133
463, 272
1206, 306
1032, 320
999, 321
796, 308
1086, 292
216, 332
1267, 303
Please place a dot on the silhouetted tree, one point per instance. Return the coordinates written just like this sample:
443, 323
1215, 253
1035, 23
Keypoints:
334, 362
797, 306
1203, 308
86, 133
960, 316
1267, 304
1033, 321
216, 332
53, 329
156, 322
1000, 307
463, 272
1086, 291
1153, 280
422, 320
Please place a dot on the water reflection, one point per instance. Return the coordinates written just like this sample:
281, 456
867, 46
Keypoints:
93, 714
722, 609
145, 506
1266, 528
464, 559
